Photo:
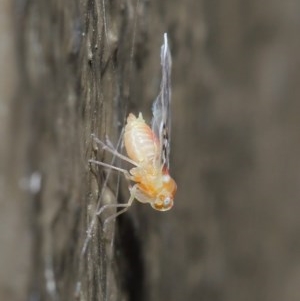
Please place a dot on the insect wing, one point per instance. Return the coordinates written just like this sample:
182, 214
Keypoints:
161, 121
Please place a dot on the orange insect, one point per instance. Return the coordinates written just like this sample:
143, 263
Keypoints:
148, 150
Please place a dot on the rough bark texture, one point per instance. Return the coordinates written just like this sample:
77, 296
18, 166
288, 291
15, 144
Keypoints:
72, 68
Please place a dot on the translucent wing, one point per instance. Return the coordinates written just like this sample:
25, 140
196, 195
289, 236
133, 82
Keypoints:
161, 121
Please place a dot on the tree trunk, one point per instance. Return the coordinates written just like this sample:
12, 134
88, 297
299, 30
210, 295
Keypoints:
70, 69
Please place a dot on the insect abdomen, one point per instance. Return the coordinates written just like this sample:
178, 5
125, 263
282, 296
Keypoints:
140, 142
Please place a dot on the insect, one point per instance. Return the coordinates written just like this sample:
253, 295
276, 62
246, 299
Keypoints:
148, 150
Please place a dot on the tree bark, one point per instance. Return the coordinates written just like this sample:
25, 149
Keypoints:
70, 69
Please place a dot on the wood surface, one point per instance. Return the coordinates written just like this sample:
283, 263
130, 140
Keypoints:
72, 68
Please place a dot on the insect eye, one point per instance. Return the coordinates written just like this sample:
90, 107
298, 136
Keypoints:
167, 202
163, 204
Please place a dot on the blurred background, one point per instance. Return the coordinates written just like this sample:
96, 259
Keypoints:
72, 68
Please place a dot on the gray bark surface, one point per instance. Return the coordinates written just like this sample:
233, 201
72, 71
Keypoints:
73, 68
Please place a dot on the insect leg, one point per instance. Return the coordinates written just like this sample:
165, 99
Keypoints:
124, 171
113, 151
124, 206
98, 207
